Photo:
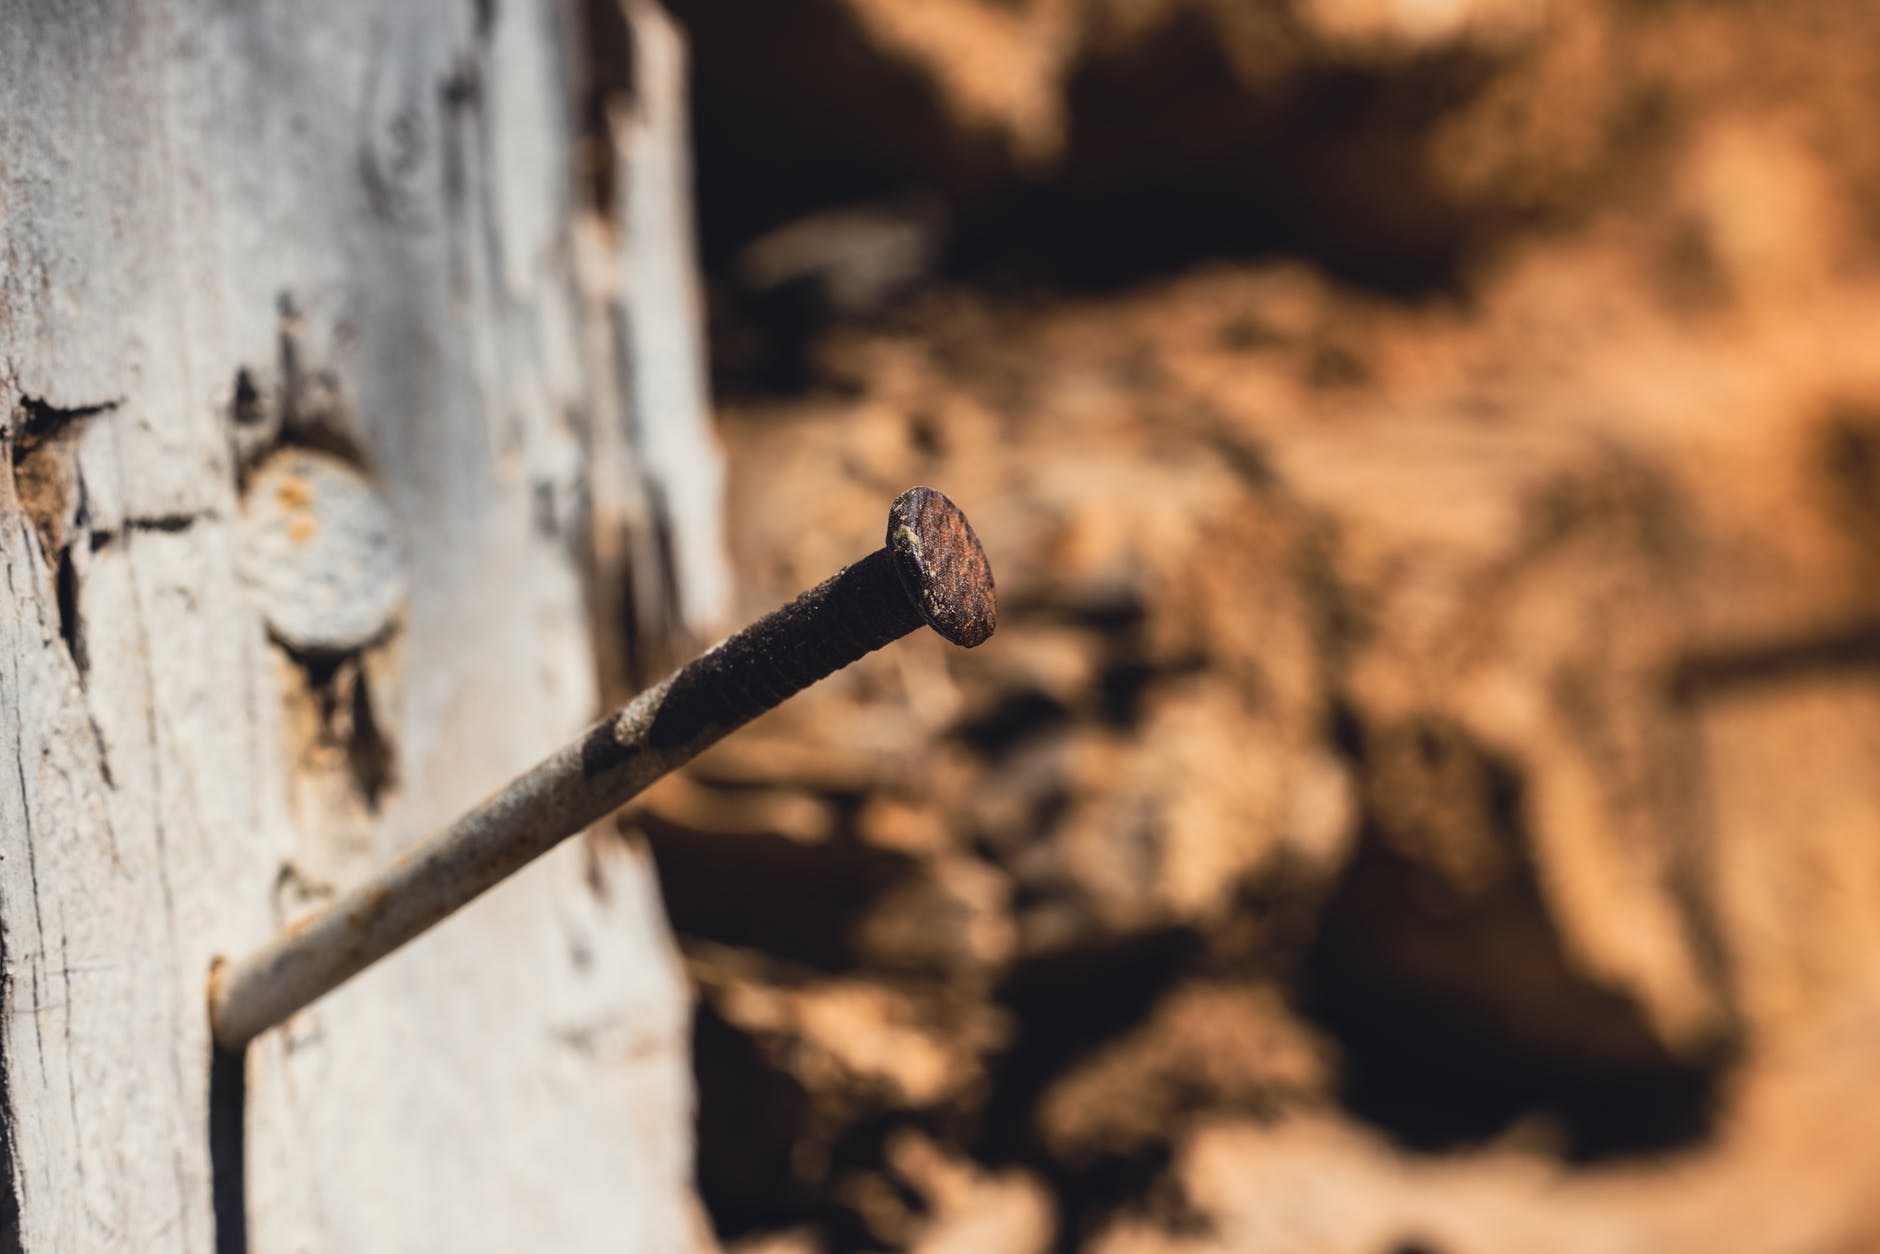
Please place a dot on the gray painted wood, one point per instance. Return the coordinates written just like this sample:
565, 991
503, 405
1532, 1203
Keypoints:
354, 227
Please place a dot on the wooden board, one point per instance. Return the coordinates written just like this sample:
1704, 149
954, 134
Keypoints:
357, 228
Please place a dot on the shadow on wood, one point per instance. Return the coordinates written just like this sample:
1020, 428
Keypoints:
228, 1103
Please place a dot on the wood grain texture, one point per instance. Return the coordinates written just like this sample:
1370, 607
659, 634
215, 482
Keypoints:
354, 227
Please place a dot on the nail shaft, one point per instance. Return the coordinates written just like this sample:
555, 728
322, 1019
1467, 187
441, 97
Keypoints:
932, 571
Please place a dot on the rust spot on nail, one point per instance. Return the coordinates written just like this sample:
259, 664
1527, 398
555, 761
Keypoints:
602, 748
942, 566
295, 492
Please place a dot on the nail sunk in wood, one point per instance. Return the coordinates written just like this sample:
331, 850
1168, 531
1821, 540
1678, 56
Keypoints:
932, 571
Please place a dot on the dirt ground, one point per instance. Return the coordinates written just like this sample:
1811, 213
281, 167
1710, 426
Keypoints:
1424, 792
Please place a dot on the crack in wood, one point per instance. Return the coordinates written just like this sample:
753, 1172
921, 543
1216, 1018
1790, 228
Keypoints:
12, 1184
40, 420
12, 1241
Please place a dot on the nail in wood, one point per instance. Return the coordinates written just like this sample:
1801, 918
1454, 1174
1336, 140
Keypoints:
931, 571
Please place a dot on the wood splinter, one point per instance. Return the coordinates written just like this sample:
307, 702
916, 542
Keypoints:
932, 571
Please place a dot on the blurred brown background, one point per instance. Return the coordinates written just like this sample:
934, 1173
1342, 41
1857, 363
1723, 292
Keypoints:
1424, 795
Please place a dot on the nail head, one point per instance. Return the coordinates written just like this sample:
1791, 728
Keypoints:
321, 553
942, 566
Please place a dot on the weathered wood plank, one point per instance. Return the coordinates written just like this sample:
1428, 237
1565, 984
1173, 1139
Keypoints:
354, 227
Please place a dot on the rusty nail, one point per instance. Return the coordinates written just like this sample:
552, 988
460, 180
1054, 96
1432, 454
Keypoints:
931, 571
